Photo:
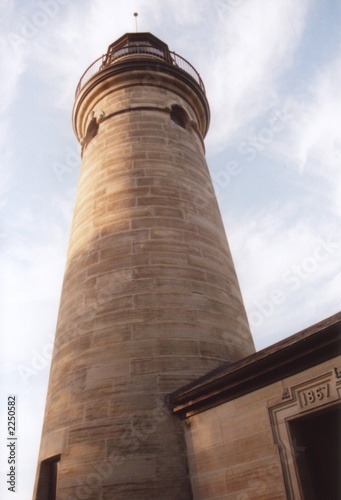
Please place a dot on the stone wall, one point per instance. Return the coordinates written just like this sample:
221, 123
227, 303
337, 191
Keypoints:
234, 449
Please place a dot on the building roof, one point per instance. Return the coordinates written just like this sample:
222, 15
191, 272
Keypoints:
301, 351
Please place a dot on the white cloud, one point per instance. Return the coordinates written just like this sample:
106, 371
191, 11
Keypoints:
314, 138
254, 44
284, 266
187, 12
32, 266
12, 66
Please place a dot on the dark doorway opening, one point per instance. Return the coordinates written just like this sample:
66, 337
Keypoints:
316, 440
48, 479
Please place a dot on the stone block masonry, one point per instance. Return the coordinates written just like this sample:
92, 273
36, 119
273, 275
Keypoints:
150, 299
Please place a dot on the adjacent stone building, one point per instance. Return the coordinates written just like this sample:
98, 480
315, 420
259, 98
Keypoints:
155, 390
268, 426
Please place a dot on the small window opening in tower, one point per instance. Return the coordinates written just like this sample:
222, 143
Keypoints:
178, 116
91, 132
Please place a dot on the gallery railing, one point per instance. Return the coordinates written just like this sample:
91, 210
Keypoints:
139, 51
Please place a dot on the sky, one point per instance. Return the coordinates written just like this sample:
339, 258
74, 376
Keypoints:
272, 72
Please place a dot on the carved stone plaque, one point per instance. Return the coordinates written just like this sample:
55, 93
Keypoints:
307, 397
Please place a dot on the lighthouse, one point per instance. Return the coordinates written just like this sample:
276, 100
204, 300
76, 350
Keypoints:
150, 299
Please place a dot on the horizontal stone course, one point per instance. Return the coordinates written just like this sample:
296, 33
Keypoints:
168, 272
159, 247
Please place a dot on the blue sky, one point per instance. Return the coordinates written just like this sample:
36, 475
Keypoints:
272, 71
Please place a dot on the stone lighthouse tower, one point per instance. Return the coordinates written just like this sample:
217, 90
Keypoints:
150, 298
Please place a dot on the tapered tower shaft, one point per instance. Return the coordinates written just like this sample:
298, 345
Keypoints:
150, 299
